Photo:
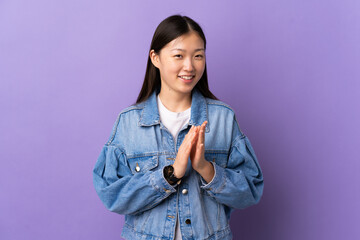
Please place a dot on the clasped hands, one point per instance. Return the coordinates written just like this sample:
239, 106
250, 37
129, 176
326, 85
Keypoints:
193, 146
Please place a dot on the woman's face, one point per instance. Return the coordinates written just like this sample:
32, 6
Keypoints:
181, 63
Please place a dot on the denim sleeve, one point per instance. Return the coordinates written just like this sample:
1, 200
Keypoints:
120, 190
240, 184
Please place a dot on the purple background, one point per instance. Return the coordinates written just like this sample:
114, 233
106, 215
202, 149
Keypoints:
290, 70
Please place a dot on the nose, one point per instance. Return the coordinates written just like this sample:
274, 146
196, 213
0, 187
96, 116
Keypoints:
188, 65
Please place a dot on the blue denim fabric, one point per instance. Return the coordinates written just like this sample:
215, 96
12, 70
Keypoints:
128, 175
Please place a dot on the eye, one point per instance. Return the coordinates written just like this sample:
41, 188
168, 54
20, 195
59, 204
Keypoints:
178, 55
199, 56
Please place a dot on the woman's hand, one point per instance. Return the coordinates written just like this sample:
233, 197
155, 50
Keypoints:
197, 155
183, 154
198, 149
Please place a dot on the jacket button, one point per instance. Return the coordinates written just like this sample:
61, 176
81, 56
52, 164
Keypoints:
137, 168
184, 191
187, 221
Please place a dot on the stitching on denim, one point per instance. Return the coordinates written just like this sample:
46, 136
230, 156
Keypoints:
145, 222
207, 116
116, 147
131, 228
237, 139
148, 125
220, 233
134, 107
223, 181
218, 215
152, 182
128, 109
155, 203
206, 218
145, 154
222, 154
224, 177
216, 151
154, 164
114, 130
219, 103
141, 117
150, 154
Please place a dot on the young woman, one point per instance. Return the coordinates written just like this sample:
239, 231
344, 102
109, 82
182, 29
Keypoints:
176, 163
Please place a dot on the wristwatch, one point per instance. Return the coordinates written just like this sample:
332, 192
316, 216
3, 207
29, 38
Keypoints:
169, 175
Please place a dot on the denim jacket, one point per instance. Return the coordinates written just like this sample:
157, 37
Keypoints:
128, 175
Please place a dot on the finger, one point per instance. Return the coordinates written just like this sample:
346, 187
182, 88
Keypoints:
191, 129
189, 132
200, 149
202, 133
204, 123
187, 143
192, 135
193, 140
188, 148
196, 135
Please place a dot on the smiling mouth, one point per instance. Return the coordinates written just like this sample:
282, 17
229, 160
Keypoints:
188, 77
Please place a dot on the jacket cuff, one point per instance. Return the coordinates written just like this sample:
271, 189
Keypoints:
159, 182
218, 181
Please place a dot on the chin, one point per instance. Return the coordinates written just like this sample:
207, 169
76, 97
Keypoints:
186, 89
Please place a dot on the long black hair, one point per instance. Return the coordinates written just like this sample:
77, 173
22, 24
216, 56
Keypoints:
169, 29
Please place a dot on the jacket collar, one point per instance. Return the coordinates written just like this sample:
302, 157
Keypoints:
150, 113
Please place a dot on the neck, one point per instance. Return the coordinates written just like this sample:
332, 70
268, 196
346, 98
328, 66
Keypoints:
175, 101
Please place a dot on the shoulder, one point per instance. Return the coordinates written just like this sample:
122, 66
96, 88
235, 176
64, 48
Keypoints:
222, 112
220, 106
129, 112
125, 120
132, 108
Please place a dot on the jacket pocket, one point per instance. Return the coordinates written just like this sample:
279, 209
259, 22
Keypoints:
143, 164
217, 157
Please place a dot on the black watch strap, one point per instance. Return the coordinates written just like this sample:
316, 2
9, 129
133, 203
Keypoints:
169, 175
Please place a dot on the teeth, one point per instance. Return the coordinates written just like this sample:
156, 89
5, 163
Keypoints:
187, 78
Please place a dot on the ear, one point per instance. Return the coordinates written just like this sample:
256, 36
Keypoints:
154, 58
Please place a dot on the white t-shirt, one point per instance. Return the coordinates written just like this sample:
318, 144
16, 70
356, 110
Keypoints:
174, 122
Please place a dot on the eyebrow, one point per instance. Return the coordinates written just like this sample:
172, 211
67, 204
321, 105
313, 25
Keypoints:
179, 49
